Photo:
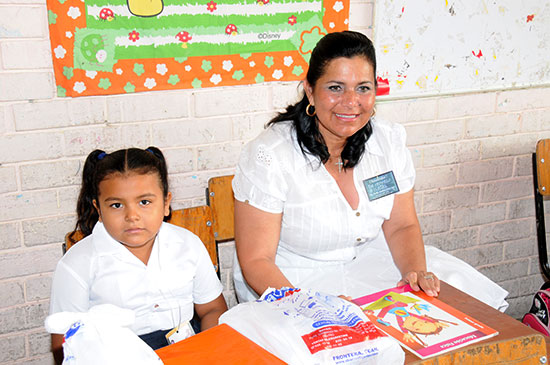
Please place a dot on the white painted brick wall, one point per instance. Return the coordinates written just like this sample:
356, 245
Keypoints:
451, 198
43, 175
434, 132
27, 54
466, 105
472, 153
453, 239
487, 170
13, 348
513, 145
437, 177
435, 222
219, 156
26, 85
58, 113
191, 132
506, 189
493, 125
235, 100
481, 214
523, 166
139, 107
8, 178
47, 230
525, 99
23, 21
11, 293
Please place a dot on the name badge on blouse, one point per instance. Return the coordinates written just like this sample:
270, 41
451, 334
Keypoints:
381, 185
181, 332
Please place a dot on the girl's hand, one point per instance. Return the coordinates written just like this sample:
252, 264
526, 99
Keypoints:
422, 280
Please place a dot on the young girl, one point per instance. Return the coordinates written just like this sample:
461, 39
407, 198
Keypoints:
130, 257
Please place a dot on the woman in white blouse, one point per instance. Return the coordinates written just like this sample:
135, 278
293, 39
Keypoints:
324, 196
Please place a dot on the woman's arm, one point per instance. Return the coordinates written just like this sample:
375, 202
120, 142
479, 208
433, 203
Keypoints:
402, 232
210, 312
256, 239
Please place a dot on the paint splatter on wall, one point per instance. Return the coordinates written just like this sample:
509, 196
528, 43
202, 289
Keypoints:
445, 46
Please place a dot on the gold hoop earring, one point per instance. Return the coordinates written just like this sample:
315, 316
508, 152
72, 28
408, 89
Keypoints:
311, 114
373, 112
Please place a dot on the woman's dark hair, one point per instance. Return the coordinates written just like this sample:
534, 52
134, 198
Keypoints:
346, 44
99, 165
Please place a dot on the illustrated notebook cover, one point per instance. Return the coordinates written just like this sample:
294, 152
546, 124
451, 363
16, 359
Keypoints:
424, 325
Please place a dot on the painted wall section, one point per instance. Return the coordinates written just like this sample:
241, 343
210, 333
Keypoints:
432, 47
471, 151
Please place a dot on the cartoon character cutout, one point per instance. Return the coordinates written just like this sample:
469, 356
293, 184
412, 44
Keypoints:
408, 315
145, 8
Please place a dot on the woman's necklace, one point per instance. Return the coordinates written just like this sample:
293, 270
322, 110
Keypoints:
339, 163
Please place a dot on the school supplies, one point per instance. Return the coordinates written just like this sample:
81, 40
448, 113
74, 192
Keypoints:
424, 325
217, 345
307, 327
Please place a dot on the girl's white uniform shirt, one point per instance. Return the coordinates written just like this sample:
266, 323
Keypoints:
99, 270
325, 244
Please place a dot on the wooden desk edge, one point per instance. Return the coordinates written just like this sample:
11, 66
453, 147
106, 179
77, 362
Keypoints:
513, 335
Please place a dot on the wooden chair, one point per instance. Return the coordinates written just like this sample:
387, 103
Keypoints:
541, 184
196, 219
199, 221
219, 196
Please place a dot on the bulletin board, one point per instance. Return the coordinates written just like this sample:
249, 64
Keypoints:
427, 47
102, 47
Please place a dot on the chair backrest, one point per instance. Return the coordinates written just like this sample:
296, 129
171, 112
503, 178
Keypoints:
71, 239
541, 184
219, 195
543, 166
199, 221
196, 219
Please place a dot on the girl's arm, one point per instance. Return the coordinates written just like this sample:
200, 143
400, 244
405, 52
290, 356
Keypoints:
256, 239
210, 312
57, 348
402, 232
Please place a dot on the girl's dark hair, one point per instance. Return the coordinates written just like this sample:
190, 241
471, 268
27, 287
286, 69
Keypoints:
99, 165
346, 44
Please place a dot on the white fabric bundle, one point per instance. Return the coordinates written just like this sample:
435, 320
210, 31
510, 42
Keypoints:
101, 336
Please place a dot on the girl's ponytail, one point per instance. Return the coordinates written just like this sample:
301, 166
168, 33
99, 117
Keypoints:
163, 173
162, 168
87, 215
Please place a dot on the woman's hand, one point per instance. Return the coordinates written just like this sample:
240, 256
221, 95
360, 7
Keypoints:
346, 297
421, 280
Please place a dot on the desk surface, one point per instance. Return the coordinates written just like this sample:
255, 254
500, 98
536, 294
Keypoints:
515, 343
515, 340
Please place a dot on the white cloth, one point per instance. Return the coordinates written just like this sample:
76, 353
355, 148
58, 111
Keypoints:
320, 232
99, 270
100, 336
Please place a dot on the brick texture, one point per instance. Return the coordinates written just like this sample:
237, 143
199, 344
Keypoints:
59, 113
27, 54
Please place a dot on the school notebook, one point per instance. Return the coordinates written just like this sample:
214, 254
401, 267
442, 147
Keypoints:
424, 325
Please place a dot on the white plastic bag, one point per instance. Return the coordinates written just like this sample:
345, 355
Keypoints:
101, 336
307, 327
